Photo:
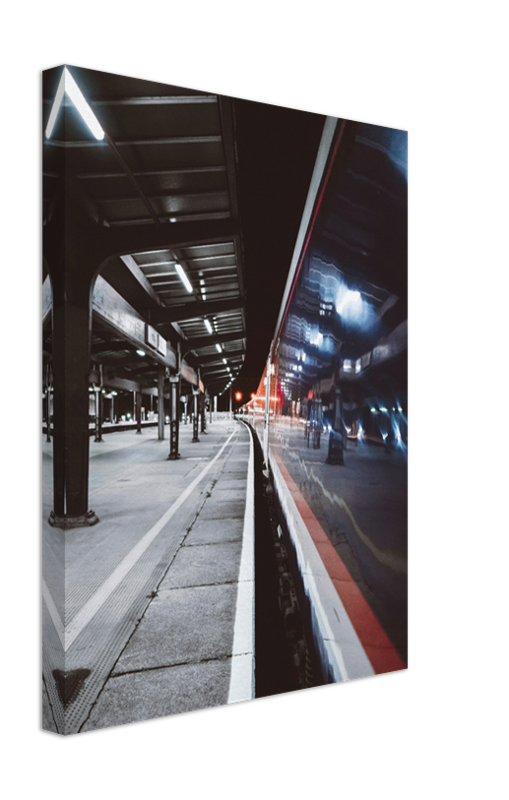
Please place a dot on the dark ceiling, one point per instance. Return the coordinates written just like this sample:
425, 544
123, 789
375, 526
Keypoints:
167, 157
175, 155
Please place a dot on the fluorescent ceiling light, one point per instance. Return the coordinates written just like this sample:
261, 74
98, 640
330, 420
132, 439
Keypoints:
141, 352
69, 86
56, 105
224, 361
218, 348
208, 325
183, 277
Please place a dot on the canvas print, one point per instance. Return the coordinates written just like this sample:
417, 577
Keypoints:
225, 410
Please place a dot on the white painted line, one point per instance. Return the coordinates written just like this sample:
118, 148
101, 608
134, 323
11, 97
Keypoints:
242, 685
241, 680
92, 606
53, 612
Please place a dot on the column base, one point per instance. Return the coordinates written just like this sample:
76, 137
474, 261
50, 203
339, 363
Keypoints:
173, 457
193, 440
66, 522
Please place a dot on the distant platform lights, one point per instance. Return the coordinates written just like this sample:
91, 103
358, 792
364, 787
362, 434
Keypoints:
69, 87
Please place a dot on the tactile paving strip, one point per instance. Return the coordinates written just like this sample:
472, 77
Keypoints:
101, 642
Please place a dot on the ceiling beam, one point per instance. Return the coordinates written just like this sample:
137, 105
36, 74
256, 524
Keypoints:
134, 183
216, 373
208, 341
172, 217
148, 173
113, 347
202, 308
118, 316
87, 143
228, 139
218, 357
180, 195
115, 241
138, 273
227, 115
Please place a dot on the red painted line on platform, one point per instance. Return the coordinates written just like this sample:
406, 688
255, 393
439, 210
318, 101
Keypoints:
377, 645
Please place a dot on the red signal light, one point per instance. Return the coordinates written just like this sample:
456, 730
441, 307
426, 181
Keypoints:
238, 395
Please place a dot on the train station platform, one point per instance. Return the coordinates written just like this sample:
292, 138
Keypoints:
159, 596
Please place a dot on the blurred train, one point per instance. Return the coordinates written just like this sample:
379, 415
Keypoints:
331, 408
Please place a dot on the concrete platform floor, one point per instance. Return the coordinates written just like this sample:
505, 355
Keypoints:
150, 612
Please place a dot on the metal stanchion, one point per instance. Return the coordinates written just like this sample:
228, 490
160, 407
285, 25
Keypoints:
196, 392
174, 422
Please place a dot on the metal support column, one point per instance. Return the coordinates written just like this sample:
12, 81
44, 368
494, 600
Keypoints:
71, 275
231, 405
203, 414
215, 408
47, 402
174, 422
196, 392
160, 403
139, 401
210, 411
98, 415
99, 407
47, 414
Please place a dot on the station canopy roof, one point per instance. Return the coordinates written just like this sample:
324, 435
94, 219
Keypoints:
167, 157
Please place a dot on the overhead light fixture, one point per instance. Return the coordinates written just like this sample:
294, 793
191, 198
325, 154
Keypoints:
208, 325
56, 105
219, 348
141, 352
183, 277
224, 361
69, 86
